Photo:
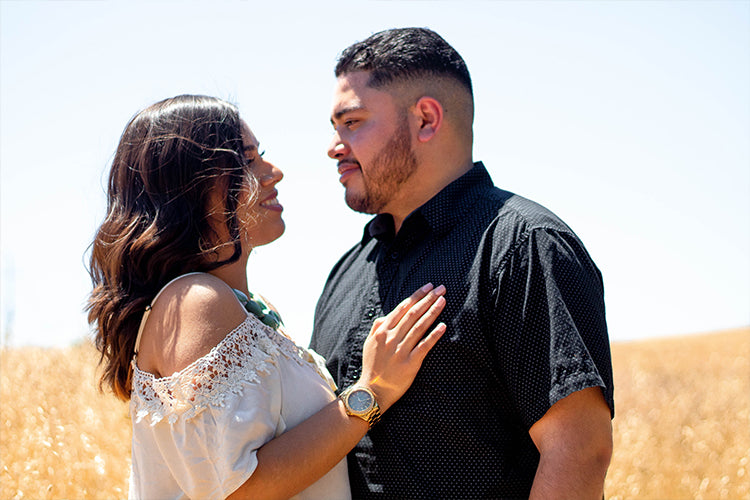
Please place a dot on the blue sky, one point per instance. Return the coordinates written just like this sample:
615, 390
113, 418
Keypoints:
629, 119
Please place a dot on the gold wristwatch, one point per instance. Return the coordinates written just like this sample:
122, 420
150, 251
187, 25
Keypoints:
360, 402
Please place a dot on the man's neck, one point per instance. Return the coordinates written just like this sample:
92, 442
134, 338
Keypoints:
423, 192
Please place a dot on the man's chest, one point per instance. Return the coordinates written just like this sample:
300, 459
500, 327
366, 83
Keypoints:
378, 277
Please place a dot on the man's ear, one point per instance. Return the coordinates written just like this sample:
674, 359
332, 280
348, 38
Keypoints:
429, 113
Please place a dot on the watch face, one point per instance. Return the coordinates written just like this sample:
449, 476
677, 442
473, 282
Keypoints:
360, 400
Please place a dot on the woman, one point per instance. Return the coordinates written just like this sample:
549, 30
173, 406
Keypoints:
222, 402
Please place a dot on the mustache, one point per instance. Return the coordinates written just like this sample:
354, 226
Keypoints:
347, 160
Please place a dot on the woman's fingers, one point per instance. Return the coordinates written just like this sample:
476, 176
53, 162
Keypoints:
405, 326
416, 312
428, 342
394, 317
376, 324
417, 330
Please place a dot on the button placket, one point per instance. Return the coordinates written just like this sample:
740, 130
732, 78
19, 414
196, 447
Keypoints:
354, 370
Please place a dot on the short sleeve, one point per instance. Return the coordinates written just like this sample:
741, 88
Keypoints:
551, 334
199, 431
218, 448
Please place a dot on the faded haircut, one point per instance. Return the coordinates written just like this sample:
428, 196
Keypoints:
403, 54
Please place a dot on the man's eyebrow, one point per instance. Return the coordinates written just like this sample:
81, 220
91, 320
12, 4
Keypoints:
349, 109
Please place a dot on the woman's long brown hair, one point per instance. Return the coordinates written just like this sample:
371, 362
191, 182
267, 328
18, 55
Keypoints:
170, 158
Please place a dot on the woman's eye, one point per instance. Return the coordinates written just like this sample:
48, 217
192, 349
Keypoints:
256, 155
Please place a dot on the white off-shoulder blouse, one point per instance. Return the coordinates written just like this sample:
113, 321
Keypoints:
196, 433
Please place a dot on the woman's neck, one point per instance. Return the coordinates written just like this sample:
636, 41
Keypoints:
234, 274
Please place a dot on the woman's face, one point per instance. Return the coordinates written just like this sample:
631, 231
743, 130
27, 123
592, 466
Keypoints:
261, 218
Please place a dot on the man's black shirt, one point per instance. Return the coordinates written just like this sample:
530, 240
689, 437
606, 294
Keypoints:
526, 327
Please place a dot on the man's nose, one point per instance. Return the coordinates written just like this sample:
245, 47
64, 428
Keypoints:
337, 148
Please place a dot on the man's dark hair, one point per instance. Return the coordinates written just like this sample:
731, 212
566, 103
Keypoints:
402, 54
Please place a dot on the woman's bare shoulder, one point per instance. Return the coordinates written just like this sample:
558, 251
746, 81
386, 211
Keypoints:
189, 318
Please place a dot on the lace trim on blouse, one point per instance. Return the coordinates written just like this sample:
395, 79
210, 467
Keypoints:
241, 357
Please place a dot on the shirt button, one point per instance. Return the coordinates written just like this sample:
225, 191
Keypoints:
394, 255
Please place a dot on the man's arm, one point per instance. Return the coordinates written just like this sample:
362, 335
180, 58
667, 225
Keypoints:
574, 439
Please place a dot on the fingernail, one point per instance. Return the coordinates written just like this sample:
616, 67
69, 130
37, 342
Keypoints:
440, 289
426, 288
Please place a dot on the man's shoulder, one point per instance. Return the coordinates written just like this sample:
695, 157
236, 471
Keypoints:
508, 211
492, 203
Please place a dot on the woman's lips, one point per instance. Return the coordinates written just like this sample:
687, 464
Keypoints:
271, 202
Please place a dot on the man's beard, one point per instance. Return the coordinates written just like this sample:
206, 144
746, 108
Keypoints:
392, 166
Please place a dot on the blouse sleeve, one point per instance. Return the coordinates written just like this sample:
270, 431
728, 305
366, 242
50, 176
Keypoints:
216, 451
206, 424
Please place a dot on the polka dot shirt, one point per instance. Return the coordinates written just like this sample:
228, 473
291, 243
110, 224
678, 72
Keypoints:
526, 327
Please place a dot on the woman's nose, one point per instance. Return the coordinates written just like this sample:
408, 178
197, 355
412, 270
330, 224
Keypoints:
271, 175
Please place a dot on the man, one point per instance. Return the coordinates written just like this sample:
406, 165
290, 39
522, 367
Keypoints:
516, 399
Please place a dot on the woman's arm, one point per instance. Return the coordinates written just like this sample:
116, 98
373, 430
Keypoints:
194, 315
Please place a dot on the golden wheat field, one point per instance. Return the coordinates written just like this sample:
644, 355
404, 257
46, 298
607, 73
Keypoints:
682, 428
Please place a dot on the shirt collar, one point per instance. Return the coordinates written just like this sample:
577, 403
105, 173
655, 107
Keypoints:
440, 213
380, 227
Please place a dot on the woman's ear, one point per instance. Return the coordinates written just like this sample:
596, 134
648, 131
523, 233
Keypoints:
429, 113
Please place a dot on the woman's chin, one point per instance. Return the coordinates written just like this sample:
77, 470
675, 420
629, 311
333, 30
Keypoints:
269, 235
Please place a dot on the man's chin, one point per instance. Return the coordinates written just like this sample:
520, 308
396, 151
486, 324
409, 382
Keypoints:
359, 204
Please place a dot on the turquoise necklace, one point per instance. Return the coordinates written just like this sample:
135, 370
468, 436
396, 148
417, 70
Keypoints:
258, 308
